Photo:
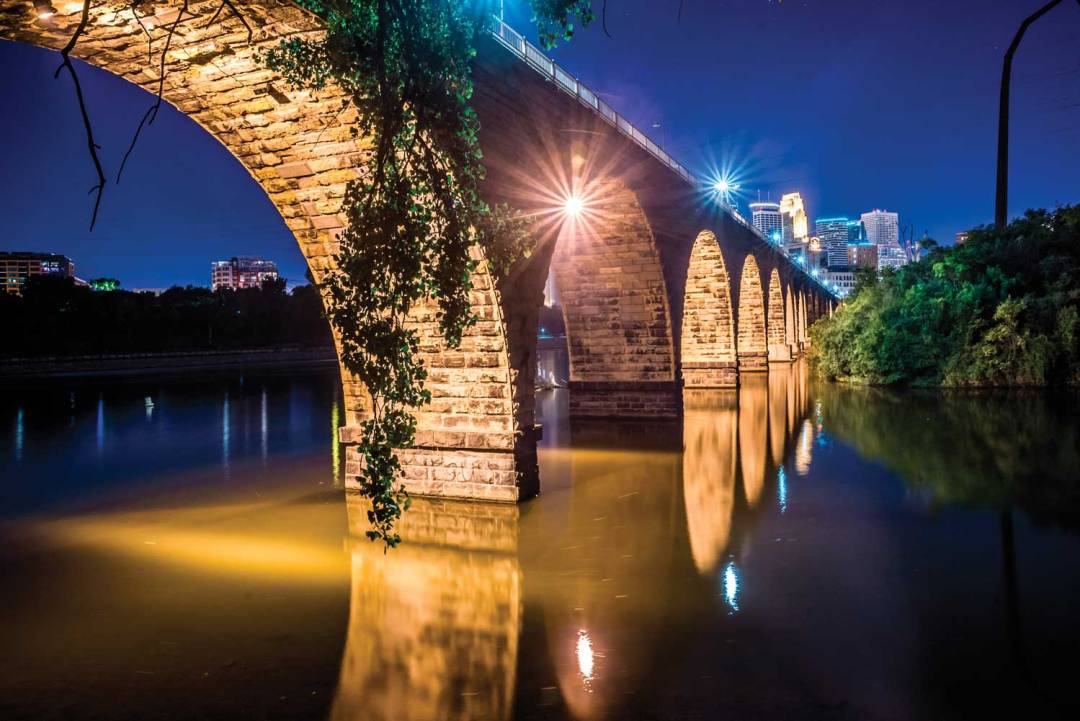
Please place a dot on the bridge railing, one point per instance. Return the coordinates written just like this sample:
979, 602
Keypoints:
516, 43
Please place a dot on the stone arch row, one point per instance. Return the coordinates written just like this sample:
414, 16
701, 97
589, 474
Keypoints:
725, 333
476, 440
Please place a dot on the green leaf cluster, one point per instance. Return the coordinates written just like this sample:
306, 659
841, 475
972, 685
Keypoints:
1003, 309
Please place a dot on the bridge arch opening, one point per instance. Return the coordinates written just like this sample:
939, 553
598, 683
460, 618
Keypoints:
779, 350
708, 331
297, 146
611, 285
752, 345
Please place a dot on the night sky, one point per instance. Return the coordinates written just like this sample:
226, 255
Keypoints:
856, 103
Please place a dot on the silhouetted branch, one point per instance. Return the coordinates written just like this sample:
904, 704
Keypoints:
90, 143
151, 114
149, 37
603, 18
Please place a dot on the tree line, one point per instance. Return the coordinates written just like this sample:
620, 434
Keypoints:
55, 317
1002, 309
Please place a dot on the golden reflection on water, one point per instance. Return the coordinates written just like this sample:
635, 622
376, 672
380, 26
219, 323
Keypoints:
753, 448
434, 624
710, 430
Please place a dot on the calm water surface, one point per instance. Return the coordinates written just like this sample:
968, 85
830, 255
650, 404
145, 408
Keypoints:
179, 550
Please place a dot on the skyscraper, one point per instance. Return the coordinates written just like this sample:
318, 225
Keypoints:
833, 235
766, 218
795, 230
242, 272
855, 232
882, 227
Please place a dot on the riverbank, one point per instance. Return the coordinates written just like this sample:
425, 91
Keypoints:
165, 364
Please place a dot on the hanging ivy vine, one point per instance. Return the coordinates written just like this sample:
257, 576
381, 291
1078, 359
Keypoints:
412, 217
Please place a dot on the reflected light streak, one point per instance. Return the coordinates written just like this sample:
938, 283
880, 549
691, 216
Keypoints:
803, 449
19, 434
148, 403
225, 432
263, 425
730, 581
585, 656
99, 431
781, 489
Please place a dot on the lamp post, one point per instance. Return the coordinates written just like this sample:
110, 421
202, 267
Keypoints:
1002, 199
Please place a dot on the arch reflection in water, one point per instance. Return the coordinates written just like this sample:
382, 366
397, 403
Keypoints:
710, 424
753, 423
433, 626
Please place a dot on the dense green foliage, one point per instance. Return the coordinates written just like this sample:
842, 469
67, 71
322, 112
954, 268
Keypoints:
1003, 309
54, 317
405, 66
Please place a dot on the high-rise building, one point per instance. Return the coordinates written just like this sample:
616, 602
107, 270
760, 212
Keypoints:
795, 229
882, 227
833, 236
855, 231
766, 217
16, 268
242, 272
883, 230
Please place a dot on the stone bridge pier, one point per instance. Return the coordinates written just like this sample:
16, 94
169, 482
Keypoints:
660, 287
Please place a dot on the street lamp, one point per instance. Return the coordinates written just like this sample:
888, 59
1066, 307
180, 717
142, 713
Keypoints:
1001, 200
573, 206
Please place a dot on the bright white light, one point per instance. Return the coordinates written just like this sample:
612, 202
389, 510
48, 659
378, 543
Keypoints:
585, 655
573, 206
731, 587
722, 186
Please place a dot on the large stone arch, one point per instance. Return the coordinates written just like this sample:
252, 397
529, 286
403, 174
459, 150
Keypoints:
708, 330
297, 146
614, 297
779, 350
752, 343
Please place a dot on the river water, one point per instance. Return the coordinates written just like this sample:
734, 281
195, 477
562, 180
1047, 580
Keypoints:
181, 550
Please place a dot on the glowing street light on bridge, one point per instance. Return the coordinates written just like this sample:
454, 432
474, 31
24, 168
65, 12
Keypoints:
44, 9
573, 206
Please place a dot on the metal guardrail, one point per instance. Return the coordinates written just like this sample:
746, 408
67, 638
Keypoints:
516, 43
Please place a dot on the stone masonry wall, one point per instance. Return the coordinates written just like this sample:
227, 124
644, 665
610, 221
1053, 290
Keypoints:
779, 350
609, 279
753, 352
708, 337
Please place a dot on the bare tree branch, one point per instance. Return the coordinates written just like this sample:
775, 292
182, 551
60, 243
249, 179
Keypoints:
603, 19
151, 114
149, 37
239, 16
91, 145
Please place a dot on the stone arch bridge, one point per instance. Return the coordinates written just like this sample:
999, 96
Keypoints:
661, 288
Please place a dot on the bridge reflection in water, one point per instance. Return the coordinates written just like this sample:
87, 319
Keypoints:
575, 593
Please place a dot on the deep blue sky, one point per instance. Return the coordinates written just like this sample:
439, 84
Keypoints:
856, 103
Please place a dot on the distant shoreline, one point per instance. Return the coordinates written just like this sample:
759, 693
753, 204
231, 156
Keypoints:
161, 364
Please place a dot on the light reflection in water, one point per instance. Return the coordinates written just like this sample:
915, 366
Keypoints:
19, 431
730, 582
263, 425
225, 432
804, 448
781, 489
99, 429
148, 404
585, 656
710, 428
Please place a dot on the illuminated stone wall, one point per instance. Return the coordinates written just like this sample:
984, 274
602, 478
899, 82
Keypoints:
708, 330
779, 350
753, 352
